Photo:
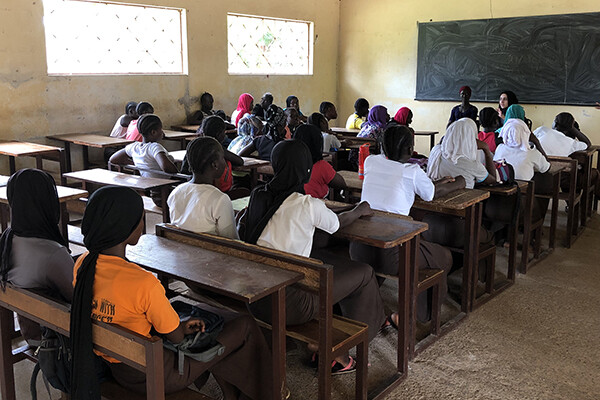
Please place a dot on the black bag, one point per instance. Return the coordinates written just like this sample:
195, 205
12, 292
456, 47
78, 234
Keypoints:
54, 360
202, 346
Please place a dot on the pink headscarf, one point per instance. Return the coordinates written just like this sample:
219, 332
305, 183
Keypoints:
244, 106
402, 116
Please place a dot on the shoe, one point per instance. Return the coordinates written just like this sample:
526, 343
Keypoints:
314, 360
338, 369
389, 322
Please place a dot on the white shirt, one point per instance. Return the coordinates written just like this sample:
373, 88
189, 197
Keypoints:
202, 208
144, 156
556, 143
391, 186
292, 227
525, 163
472, 170
330, 141
119, 131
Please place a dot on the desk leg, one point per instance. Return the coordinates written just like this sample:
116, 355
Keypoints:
62, 166
527, 227
278, 350
411, 275
253, 178
11, 164
405, 304
554, 211
471, 246
431, 141
585, 195
86, 157
7, 378
164, 191
64, 221
68, 166
39, 163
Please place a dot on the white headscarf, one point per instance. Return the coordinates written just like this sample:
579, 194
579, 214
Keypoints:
459, 142
515, 133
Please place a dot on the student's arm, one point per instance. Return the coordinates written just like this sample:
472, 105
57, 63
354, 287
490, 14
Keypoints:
489, 163
447, 185
188, 327
581, 136
121, 158
195, 118
248, 150
165, 163
336, 142
338, 182
348, 217
233, 158
536, 142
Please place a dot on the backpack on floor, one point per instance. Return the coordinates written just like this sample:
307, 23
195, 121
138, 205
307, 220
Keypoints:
54, 360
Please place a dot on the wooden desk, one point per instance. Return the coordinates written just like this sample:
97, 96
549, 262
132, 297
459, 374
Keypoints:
431, 135
105, 177
4, 180
65, 194
587, 189
39, 151
179, 136
234, 277
186, 128
384, 230
87, 140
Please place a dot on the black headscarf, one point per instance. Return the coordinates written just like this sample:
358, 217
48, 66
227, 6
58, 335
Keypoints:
111, 215
292, 165
312, 137
34, 212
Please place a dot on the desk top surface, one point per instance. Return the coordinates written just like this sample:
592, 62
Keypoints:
17, 149
178, 134
221, 273
64, 194
352, 180
506, 190
4, 180
456, 200
106, 177
186, 128
91, 139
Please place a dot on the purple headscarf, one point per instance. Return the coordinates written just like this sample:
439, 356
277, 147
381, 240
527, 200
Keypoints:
378, 116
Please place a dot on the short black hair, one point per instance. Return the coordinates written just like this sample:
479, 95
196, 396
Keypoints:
326, 105
201, 152
204, 96
147, 123
396, 140
212, 126
130, 106
487, 116
144, 108
289, 99
360, 103
268, 96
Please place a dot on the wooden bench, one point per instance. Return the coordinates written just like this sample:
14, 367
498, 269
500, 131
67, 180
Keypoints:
139, 352
334, 335
572, 197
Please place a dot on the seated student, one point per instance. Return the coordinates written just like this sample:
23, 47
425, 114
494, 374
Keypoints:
198, 205
361, 110
557, 143
250, 127
120, 128
457, 155
275, 132
148, 154
323, 175
245, 104
376, 122
33, 252
206, 104
214, 127
292, 120
391, 184
260, 109
404, 116
328, 110
490, 121
330, 141
465, 109
292, 101
279, 216
518, 112
113, 219
133, 132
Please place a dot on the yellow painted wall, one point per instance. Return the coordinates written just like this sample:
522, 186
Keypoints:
378, 56
35, 105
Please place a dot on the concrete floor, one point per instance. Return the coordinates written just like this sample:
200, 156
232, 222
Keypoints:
537, 340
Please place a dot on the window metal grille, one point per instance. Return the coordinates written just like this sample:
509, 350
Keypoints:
269, 46
98, 37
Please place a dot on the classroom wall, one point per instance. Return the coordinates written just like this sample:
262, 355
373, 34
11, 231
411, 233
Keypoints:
35, 105
378, 56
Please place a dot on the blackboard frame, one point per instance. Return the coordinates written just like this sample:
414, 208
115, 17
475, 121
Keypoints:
546, 59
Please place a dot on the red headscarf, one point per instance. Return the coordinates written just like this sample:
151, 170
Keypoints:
244, 106
402, 116
466, 89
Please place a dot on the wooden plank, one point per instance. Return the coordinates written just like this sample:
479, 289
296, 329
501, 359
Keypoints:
186, 128
65, 194
176, 135
382, 231
105, 177
234, 277
17, 149
91, 140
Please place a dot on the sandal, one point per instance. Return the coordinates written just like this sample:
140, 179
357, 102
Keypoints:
338, 369
389, 321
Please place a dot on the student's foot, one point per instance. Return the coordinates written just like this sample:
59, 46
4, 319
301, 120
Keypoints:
337, 368
391, 320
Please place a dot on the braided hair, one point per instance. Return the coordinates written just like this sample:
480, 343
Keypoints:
213, 126
147, 123
397, 139
144, 108
202, 152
